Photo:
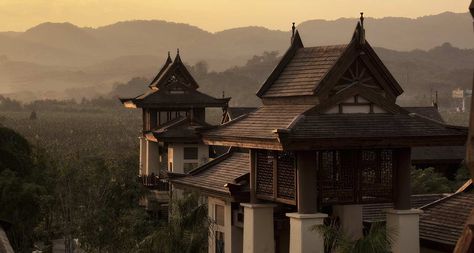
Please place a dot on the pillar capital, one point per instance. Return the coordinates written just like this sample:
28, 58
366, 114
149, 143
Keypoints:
404, 227
258, 228
303, 237
257, 205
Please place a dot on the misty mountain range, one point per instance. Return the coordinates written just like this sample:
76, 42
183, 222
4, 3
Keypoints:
61, 59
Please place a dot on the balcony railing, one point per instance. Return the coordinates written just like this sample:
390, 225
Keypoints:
153, 182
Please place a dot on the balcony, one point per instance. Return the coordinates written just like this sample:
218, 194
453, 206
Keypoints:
153, 182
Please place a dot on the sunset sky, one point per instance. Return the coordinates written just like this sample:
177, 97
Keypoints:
18, 15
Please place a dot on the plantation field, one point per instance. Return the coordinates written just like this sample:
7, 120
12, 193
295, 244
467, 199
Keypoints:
107, 133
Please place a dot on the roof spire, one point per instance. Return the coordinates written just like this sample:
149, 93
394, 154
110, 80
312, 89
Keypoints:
293, 28
177, 58
359, 33
168, 60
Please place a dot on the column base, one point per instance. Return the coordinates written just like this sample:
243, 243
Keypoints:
303, 237
258, 228
403, 226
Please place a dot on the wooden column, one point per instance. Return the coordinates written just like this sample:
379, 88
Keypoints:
402, 187
306, 182
253, 175
153, 118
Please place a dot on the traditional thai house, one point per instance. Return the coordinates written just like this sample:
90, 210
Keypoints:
329, 138
173, 111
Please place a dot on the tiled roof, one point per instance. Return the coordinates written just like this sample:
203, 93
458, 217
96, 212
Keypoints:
235, 112
164, 98
261, 123
217, 173
376, 212
305, 70
426, 111
369, 125
182, 127
443, 220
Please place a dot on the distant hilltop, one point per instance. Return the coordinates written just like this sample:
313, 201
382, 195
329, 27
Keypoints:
53, 57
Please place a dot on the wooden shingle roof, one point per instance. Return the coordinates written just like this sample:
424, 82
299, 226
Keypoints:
443, 221
377, 212
174, 87
305, 70
427, 111
167, 99
182, 129
215, 175
282, 125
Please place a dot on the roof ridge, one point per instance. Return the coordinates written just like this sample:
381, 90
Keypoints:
209, 164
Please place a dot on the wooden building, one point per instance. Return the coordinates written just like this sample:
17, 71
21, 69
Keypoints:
173, 111
328, 138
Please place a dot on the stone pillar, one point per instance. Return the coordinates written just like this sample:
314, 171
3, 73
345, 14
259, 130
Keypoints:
402, 221
403, 225
258, 228
152, 158
304, 237
351, 220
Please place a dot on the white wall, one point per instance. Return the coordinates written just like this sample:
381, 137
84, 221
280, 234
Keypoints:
176, 156
232, 238
152, 158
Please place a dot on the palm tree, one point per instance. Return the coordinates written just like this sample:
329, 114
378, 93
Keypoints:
186, 231
376, 240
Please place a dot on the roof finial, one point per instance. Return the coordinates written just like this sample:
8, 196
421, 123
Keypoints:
362, 19
177, 51
293, 28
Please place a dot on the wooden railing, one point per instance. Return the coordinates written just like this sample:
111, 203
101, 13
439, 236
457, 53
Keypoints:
153, 182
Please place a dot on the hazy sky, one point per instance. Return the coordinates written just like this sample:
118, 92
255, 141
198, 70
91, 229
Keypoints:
18, 15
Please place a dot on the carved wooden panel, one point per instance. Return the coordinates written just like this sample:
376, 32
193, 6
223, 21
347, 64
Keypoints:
355, 176
265, 172
286, 175
357, 74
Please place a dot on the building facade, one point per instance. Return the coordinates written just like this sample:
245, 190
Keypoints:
328, 139
173, 112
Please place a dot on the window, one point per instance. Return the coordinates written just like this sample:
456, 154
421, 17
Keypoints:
219, 212
187, 167
190, 153
219, 242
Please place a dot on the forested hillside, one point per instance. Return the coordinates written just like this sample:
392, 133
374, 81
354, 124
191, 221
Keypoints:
55, 60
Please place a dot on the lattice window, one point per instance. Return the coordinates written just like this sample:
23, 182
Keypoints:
336, 177
376, 175
265, 172
355, 176
286, 175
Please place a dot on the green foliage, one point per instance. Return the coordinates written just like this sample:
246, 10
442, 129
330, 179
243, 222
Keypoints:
21, 188
462, 175
105, 215
186, 232
426, 181
377, 240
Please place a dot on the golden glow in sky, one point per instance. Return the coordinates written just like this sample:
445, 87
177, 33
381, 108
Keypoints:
18, 15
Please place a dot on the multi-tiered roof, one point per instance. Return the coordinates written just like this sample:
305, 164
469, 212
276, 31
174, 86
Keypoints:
174, 87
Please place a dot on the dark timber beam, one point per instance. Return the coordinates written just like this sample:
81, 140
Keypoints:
402, 184
306, 185
253, 175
